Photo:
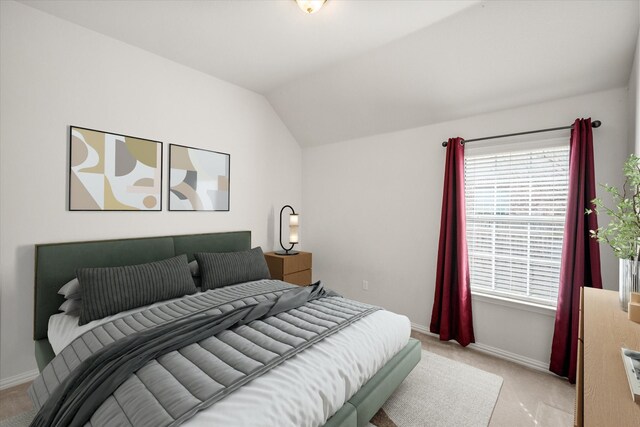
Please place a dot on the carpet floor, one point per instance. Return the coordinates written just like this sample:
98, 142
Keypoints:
20, 420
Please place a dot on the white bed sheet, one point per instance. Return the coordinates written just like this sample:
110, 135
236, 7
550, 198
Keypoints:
302, 391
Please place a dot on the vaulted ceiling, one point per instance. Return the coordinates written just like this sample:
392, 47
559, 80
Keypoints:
358, 68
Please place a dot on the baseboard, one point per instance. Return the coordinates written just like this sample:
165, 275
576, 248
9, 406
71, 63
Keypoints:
422, 329
512, 357
493, 351
18, 379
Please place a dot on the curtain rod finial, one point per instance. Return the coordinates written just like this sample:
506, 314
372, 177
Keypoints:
596, 124
444, 143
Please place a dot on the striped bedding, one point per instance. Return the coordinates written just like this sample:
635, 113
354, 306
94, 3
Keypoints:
235, 354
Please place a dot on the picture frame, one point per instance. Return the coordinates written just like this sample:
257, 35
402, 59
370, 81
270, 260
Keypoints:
199, 179
113, 172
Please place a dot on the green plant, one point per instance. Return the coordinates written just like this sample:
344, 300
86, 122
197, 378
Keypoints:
623, 231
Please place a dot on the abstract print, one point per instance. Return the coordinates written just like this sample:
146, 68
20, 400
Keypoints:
114, 172
198, 179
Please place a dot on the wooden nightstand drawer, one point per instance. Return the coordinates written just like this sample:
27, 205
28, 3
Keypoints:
302, 278
294, 269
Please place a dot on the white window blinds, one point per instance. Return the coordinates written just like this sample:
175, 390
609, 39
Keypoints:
516, 205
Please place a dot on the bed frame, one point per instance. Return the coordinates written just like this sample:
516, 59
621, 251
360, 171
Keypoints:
56, 264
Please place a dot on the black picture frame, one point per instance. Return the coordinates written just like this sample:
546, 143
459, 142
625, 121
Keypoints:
191, 193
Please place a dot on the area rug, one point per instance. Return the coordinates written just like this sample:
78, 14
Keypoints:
440, 392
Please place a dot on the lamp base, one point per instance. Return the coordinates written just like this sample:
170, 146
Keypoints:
287, 252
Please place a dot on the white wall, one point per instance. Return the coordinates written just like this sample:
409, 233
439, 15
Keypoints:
54, 74
372, 212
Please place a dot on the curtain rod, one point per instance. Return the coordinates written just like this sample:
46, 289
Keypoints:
595, 124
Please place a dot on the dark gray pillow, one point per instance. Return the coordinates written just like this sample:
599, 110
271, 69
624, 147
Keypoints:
229, 268
110, 290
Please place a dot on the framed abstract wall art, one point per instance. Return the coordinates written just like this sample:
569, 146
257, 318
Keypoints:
111, 172
198, 179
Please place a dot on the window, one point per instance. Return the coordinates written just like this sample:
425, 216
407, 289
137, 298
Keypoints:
516, 205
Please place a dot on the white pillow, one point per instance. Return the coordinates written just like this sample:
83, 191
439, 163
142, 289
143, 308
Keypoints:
71, 290
71, 307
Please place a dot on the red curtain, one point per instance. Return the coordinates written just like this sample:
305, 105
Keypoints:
451, 316
580, 265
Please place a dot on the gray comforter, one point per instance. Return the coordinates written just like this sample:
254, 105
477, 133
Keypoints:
268, 326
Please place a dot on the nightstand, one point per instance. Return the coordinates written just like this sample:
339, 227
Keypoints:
294, 269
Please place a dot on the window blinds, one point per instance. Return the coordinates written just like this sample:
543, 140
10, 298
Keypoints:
515, 204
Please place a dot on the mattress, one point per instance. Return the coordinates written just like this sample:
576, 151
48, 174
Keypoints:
304, 390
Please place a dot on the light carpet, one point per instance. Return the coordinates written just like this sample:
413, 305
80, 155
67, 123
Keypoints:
441, 392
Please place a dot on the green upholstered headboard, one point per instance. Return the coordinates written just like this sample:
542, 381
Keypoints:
56, 263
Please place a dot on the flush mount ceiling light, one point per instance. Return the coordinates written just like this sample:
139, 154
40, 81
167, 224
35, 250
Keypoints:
310, 6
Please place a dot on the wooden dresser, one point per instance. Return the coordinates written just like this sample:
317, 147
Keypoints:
603, 397
294, 269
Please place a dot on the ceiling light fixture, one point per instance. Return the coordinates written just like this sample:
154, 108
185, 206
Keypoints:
310, 6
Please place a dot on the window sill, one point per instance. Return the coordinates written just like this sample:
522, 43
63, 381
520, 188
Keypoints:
514, 303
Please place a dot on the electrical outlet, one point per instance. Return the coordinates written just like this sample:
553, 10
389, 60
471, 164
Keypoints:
365, 285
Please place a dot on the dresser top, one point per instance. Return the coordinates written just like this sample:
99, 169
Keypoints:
607, 396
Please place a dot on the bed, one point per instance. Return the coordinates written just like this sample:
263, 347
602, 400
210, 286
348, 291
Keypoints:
57, 263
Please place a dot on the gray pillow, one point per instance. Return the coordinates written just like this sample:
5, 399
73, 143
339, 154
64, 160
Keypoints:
110, 290
71, 307
195, 273
229, 268
195, 269
71, 289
